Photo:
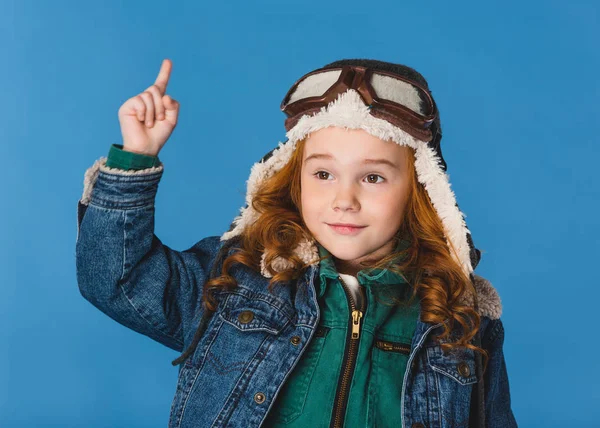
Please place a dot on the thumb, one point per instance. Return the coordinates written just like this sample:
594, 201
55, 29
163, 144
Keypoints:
171, 109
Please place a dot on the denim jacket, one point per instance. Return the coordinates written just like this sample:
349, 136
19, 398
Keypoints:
240, 363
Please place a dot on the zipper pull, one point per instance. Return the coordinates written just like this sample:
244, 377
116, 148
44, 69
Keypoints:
356, 316
387, 346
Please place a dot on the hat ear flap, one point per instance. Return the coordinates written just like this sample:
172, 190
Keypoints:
262, 160
436, 143
474, 253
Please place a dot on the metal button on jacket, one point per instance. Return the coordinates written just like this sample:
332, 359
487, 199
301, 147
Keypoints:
245, 317
463, 369
259, 397
295, 340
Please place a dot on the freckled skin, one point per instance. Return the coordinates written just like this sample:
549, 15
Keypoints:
348, 191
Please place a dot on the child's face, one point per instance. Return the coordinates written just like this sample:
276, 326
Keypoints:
351, 191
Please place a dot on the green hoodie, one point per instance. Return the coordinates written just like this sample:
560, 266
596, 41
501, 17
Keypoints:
308, 397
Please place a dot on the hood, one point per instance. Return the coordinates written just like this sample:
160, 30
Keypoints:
349, 111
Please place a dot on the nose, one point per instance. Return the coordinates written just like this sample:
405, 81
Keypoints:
346, 198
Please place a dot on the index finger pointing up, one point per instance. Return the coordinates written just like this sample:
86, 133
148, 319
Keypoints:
163, 75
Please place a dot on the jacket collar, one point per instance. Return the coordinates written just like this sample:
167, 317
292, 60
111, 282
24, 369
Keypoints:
489, 301
366, 276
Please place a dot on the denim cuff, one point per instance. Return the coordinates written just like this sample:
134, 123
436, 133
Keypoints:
116, 188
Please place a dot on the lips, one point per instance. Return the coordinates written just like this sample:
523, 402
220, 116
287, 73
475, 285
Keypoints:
346, 228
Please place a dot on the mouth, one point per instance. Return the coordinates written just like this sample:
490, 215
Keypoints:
346, 228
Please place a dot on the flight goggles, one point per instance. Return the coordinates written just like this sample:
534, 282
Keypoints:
394, 98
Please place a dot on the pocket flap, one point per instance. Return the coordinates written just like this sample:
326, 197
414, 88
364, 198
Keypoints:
253, 314
458, 364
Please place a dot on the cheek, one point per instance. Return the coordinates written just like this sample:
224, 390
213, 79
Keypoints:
315, 204
307, 199
388, 208
310, 203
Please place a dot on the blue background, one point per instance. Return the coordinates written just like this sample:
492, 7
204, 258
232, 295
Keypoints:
516, 84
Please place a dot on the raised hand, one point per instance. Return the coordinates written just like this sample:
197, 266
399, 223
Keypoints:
148, 119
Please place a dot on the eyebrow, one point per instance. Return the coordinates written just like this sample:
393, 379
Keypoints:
365, 161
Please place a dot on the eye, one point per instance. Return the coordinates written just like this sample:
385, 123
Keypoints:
319, 172
374, 175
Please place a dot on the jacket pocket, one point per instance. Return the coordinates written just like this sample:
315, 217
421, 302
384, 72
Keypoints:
289, 405
399, 347
254, 314
389, 360
237, 338
455, 378
458, 366
243, 322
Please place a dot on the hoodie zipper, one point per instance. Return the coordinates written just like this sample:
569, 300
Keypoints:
349, 361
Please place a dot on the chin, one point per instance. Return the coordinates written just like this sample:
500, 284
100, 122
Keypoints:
341, 254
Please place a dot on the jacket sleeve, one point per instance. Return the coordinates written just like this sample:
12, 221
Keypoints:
124, 269
498, 412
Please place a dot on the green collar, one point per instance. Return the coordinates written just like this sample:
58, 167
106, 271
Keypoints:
365, 276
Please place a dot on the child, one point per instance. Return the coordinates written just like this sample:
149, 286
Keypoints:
344, 293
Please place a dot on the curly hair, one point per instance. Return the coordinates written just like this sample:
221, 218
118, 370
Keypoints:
426, 263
